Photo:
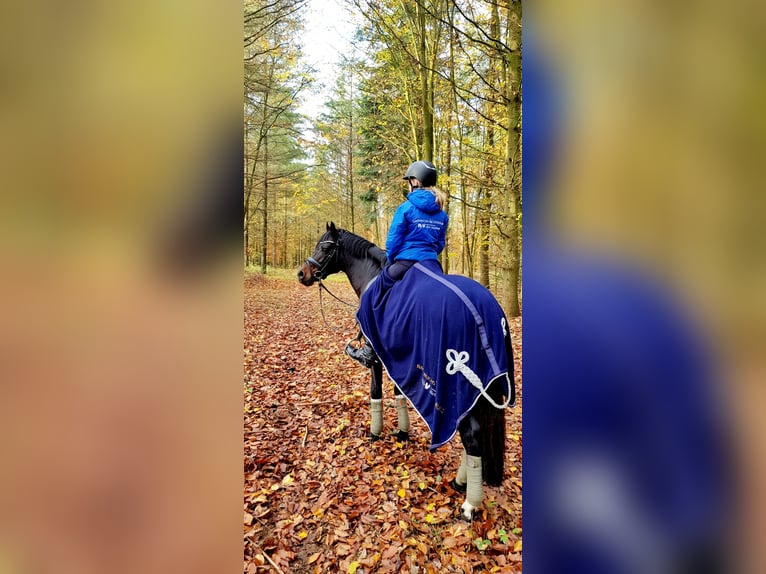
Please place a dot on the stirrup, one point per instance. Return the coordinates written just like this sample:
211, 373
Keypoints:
363, 355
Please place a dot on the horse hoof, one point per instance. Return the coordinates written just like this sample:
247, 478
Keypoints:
402, 436
457, 487
374, 437
467, 512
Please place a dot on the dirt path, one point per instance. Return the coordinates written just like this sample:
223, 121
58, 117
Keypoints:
319, 497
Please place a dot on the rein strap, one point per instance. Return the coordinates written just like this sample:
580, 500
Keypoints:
323, 287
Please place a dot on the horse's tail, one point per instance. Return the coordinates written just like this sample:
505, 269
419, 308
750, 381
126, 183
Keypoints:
492, 422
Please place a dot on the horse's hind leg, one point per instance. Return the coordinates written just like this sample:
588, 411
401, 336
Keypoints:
403, 414
469, 477
376, 401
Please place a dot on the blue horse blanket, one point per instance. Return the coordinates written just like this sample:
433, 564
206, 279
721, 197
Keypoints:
443, 339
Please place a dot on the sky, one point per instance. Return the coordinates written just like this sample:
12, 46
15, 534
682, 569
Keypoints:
327, 37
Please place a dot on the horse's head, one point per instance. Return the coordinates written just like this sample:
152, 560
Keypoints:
325, 260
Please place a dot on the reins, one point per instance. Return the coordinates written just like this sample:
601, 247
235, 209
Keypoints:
319, 272
323, 287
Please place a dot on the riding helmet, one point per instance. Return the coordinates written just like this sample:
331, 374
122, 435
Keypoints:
424, 171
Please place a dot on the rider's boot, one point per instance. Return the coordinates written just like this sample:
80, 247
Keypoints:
364, 355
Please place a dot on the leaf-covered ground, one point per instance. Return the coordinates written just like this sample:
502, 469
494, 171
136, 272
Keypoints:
319, 496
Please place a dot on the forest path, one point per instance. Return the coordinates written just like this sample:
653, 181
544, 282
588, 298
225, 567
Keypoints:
318, 496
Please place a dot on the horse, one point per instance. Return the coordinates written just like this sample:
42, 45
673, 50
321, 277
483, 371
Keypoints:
482, 429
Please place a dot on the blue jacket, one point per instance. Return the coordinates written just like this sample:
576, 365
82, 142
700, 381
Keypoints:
418, 230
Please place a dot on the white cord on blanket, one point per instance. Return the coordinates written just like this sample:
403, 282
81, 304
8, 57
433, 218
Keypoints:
459, 362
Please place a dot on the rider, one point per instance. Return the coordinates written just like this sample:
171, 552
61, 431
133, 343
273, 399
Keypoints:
418, 232
419, 228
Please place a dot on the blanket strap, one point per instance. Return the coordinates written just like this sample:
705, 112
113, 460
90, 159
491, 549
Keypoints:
458, 362
471, 308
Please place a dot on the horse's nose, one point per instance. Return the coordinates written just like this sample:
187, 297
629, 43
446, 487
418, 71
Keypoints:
300, 274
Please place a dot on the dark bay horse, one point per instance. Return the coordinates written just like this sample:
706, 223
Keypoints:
482, 430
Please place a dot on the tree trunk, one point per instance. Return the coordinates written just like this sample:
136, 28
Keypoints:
426, 89
489, 169
466, 260
483, 221
512, 196
350, 156
448, 190
265, 223
452, 104
284, 260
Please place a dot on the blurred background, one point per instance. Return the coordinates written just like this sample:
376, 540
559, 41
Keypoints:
122, 286
643, 286
121, 305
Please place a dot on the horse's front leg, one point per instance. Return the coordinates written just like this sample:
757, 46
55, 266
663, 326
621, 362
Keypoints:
403, 414
469, 477
376, 407
376, 401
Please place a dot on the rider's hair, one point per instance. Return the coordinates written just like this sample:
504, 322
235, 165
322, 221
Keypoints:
441, 197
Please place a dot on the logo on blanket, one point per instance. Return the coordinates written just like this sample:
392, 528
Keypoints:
427, 381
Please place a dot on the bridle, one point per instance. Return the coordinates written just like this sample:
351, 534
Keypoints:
319, 273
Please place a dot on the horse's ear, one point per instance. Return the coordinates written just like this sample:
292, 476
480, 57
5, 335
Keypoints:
331, 228
327, 226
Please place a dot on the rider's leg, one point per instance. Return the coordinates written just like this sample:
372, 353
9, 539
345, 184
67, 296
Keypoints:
397, 270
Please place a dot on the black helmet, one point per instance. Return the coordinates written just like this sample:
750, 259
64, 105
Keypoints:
424, 171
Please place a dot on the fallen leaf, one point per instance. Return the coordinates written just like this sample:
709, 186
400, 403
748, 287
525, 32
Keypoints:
313, 558
312, 479
342, 549
449, 542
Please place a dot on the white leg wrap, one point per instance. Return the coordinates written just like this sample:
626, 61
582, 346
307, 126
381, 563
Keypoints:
461, 477
474, 493
404, 414
376, 411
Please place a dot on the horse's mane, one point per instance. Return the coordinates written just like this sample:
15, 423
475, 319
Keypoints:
360, 247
